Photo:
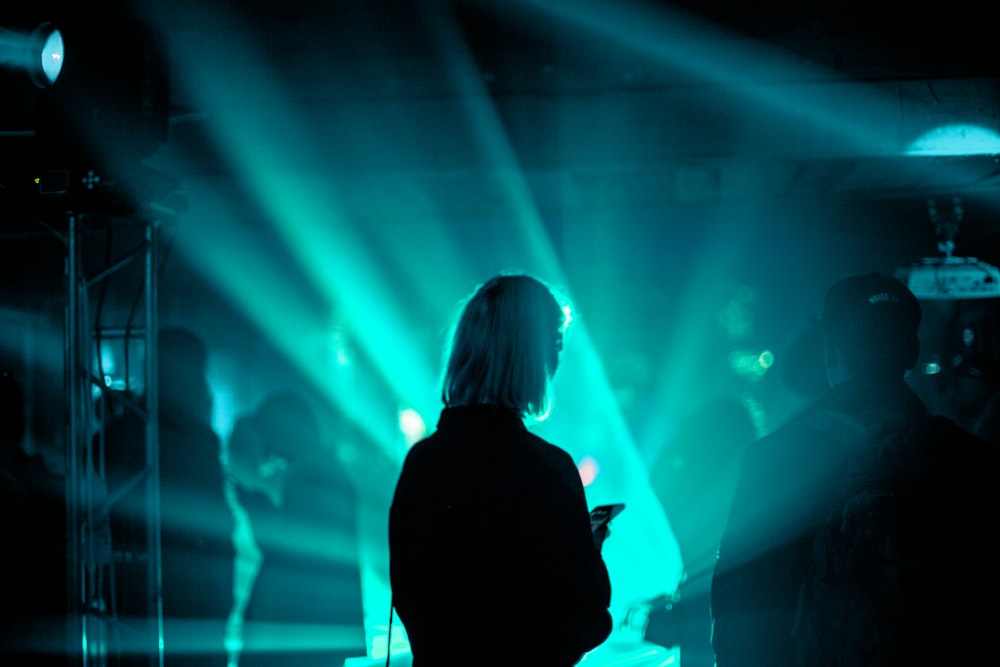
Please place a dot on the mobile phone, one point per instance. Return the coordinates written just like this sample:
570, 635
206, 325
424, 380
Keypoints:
602, 515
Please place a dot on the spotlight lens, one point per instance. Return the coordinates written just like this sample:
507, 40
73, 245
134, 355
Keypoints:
52, 56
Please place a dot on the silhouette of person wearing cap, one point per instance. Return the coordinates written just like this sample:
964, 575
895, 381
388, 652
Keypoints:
791, 488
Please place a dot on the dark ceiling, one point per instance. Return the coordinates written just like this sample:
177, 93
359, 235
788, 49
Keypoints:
758, 99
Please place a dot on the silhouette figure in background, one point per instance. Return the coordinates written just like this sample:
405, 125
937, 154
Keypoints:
301, 509
693, 477
33, 524
196, 522
492, 559
855, 529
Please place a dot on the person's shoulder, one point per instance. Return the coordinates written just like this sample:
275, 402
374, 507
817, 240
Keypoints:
816, 441
546, 453
425, 451
540, 444
807, 429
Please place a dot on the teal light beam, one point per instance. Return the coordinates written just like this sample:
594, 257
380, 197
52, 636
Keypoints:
261, 289
500, 161
268, 150
750, 71
695, 306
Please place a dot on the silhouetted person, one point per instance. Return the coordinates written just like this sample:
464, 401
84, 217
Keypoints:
906, 498
196, 522
987, 425
33, 628
693, 477
492, 560
301, 508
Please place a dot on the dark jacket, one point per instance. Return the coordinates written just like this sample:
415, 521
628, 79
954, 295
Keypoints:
792, 481
492, 560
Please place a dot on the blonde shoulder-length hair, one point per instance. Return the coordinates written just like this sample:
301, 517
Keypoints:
504, 347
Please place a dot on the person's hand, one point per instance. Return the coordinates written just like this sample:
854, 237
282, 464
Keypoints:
600, 535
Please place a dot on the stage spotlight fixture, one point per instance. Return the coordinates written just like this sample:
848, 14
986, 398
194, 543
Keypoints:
39, 53
109, 109
47, 54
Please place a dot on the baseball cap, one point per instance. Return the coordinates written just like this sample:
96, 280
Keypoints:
874, 306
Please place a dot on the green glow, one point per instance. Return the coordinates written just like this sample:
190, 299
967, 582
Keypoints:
751, 365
